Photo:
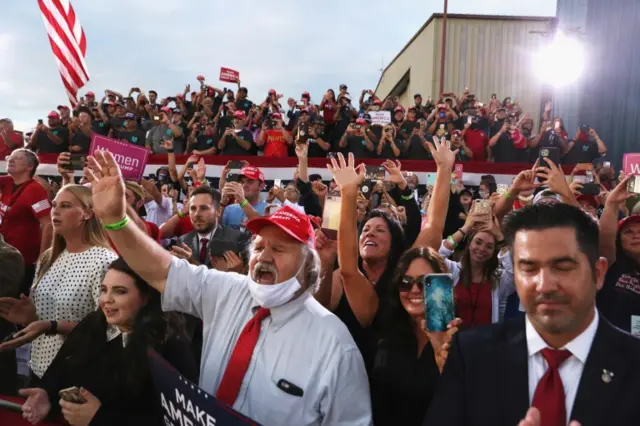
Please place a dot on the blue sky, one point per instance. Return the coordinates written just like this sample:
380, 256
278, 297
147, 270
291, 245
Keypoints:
288, 45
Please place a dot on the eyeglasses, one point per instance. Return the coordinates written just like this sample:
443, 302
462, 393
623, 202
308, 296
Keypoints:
406, 283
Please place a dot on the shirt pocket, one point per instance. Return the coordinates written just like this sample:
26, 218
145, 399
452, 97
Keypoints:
286, 387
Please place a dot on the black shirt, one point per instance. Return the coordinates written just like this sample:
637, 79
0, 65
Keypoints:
407, 128
619, 298
244, 105
504, 151
47, 146
314, 149
204, 142
358, 146
233, 148
387, 150
417, 150
137, 137
402, 384
100, 127
582, 152
81, 140
548, 140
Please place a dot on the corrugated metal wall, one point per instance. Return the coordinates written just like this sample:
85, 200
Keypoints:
611, 99
493, 56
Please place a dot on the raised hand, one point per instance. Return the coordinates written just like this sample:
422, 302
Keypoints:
302, 150
554, 177
620, 194
28, 334
443, 156
201, 170
181, 251
441, 341
395, 173
17, 311
37, 405
345, 173
107, 186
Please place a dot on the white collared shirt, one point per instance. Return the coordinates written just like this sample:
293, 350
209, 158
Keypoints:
159, 214
301, 342
570, 370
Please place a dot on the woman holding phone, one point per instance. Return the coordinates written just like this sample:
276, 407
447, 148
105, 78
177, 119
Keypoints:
67, 282
104, 360
483, 279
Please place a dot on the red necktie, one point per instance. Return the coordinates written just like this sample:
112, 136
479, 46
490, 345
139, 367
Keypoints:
240, 359
203, 250
549, 395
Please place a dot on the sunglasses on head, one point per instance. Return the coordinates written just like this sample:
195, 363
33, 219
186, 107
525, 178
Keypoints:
407, 282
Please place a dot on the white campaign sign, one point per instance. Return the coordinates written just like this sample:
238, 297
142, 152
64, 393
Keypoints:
380, 117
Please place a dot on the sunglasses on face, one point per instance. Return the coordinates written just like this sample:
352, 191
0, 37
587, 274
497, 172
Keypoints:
407, 283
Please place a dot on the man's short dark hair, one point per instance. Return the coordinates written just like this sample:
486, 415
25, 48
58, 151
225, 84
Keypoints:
315, 177
212, 192
540, 217
154, 92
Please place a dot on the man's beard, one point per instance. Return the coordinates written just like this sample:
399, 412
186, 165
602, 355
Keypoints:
205, 228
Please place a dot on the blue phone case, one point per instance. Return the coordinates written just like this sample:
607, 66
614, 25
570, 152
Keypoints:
439, 309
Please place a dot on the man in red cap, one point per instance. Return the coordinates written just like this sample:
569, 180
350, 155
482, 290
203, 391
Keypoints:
237, 140
274, 138
270, 350
53, 138
9, 138
241, 200
65, 115
589, 205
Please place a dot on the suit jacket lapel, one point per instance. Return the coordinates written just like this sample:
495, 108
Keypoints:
595, 395
513, 373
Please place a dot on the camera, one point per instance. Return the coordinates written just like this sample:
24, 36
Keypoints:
171, 99
584, 128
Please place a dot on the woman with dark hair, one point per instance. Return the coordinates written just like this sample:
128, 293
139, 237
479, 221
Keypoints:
106, 357
619, 298
359, 288
483, 278
409, 360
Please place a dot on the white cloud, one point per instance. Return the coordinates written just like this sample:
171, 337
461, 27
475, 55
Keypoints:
289, 45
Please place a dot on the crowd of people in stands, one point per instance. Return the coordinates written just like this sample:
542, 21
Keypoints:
295, 312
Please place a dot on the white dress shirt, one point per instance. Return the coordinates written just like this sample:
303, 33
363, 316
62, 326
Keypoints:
570, 370
159, 214
301, 342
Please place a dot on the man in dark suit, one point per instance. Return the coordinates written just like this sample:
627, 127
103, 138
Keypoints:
562, 362
11, 274
196, 245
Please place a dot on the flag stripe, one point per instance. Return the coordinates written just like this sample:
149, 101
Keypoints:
68, 43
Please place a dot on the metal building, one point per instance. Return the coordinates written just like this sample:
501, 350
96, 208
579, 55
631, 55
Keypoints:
607, 97
487, 54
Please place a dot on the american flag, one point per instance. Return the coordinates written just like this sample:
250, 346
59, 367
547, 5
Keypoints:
68, 43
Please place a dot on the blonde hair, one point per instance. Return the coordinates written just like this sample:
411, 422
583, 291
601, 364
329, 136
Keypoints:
92, 232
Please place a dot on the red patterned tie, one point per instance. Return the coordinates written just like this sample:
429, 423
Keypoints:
203, 250
240, 359
549, 395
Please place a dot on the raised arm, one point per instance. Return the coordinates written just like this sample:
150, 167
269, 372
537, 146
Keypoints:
144, 255
608, 222
431, 234
360, 293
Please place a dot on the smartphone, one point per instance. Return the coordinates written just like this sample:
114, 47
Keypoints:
236, 165
469, 120
502, 188
483, 207
459, 168
77, 162
10, 337
634, 185
606, 165
278, 183
331, 216
72, 394
233, 177
303, 133
552, 153
584, 166
218, 248
439, 309
374, 173
590, 189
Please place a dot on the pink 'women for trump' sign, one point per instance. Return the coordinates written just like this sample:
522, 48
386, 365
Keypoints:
131, 158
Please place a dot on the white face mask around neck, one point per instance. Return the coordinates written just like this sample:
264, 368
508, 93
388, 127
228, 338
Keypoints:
273, 295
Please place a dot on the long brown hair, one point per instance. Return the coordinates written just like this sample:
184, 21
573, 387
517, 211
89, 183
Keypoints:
92, 232
490, 270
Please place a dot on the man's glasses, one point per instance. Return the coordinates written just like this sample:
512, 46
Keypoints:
407, 282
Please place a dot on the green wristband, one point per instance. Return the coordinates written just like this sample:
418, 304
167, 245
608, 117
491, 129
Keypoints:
244, 203
116, 226
507, 195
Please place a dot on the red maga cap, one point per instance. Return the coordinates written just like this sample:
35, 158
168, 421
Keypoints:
53, 114
291, 221
252, 173
634, 218
239, 114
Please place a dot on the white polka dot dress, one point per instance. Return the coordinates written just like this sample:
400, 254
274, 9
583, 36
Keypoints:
68, 291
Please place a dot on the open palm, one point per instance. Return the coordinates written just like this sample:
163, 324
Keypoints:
442, 154
344, 172
107, 186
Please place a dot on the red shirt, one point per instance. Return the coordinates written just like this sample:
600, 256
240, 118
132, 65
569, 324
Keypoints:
329, 112
20, 213
183, 227
16, 139
152, 230
275, 145
477, 141
473, 304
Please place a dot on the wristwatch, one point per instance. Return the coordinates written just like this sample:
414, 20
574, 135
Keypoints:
53, 329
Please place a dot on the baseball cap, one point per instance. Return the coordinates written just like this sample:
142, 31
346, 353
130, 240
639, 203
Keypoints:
366, 117
176, 111
589, 199
306, 95
417, 95
634, 218
62, 107
412, 109
136, 188
546, 197
456, 132
130, 116
276, 115
343, 86
377, 102
294, 223
239, 114
398, 108
91, 94
361, 121
53, 114
166, 109
253, 173
272, 92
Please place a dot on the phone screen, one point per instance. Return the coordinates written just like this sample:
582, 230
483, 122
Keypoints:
374, 173
331, 217
278, 183
236, 165
439, 309
634, 185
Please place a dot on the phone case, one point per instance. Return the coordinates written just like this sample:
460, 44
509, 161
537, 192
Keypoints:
439, 309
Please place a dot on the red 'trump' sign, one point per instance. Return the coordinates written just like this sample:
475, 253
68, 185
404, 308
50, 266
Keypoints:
228, 75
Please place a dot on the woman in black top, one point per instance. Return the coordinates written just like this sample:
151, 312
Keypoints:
619, 298
106, 357
409, 359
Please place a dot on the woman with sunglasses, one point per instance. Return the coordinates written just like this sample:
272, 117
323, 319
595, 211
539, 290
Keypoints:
483, 278
409, 359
